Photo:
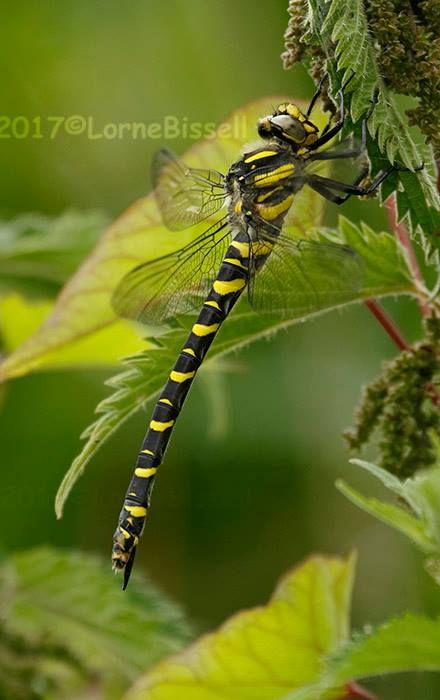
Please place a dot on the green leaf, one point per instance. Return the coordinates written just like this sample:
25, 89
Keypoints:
383, 258
345, 22
410, 643
390, 514
384, 273
415, 204
260, 654
84, 306
39, 253
419, 518
61, 606
424, 491
347, 25
20, 318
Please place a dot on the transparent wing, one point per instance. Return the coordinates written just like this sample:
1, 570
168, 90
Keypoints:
175, 283
301, 277
185, 195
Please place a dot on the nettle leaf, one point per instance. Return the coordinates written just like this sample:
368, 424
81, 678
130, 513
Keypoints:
418, 513
410, 643
382, 256
384, 272
83, 307
20, 318
39, 253
344, 22
262, 653
70, 625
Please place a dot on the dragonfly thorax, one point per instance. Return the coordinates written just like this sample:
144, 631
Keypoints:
261, 186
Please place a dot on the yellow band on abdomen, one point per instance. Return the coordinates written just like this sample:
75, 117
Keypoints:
145, 472
201, 330
229, 286
181, 376
136, 511
160, 426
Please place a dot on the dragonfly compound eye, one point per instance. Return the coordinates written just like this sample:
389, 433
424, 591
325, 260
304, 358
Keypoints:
264, 128
288, 128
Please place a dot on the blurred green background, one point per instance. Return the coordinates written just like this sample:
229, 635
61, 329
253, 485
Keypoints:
230, 514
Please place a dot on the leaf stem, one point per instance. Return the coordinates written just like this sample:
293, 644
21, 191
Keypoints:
387, 323
401, 233
356, 691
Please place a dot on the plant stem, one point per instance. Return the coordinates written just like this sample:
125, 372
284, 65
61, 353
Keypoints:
387, 323
401, 233
356, 691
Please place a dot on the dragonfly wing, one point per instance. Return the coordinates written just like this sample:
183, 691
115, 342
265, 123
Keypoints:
185, 195
175, 283
302, 277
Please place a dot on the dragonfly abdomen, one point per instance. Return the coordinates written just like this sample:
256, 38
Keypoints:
230, 282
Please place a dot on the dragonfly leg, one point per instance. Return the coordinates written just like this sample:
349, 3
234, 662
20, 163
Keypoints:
329, 133
349, 153
326, 186
317, 94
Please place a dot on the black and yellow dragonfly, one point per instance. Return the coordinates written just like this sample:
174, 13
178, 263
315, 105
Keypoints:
246, 247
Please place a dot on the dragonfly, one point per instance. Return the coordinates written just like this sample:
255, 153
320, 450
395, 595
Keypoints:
246, 246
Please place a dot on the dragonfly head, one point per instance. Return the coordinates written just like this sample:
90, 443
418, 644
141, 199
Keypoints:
289, 125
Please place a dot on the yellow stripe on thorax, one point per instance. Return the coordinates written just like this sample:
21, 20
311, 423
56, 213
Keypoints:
159, 426
167, 401
229, 286
273, 211
201, 330
261, 154
274, 176
262, 197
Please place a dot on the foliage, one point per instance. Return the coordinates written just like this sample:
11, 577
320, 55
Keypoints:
408, 56
38, 254
417, 516
83, 309
409, 643
262, 653
298, 646
402, 404
384, 273
65, 626
337, 38
418, 513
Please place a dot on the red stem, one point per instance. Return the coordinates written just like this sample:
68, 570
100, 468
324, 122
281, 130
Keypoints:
387, 323
402, 235
356, 691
